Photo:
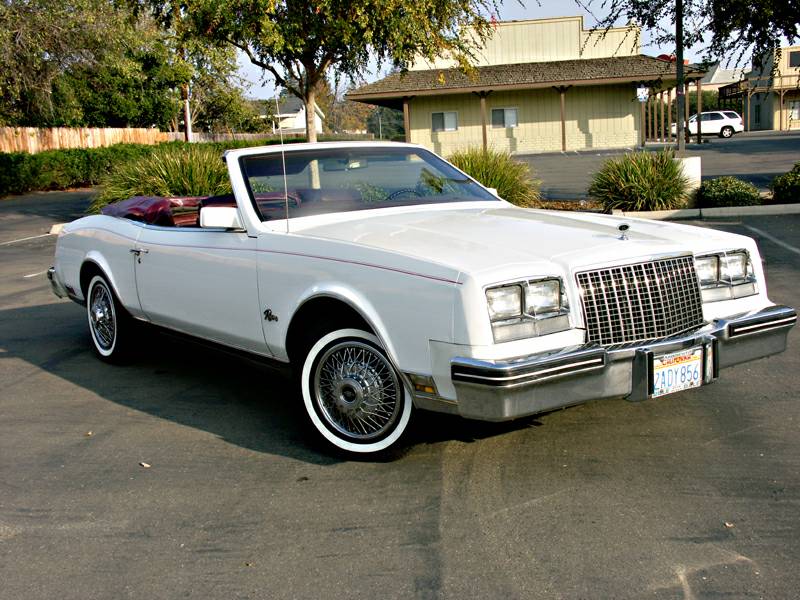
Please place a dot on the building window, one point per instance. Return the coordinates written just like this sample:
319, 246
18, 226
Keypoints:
504, 117
444, 121
794, 110
757, 114
794, 58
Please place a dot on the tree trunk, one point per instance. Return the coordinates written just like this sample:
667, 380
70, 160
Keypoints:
311, 134
311, 113
187, 113
679, 84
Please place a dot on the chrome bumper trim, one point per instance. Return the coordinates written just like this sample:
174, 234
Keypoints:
55, 284
505, 389
530, 369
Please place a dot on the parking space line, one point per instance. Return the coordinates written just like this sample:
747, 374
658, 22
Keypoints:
25, 239
34, 274
773, 239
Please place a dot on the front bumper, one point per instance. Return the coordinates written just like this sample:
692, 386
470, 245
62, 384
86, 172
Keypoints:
503, 390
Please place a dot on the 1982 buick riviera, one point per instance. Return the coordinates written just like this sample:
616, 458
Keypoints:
391, 281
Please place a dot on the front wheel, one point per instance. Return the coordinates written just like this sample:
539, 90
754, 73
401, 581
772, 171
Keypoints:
352, 393
726, 131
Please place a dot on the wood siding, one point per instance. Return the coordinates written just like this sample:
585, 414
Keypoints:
596, 117
546, 40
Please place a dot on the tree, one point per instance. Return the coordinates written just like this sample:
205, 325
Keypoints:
386, 123
736, 28
298, 41
39, 41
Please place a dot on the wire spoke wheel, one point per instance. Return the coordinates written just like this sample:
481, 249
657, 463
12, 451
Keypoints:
102, 317
357, 390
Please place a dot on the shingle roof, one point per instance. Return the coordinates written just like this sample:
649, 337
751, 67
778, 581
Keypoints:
519, 76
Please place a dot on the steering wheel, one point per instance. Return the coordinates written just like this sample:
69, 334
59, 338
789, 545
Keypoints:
400, 192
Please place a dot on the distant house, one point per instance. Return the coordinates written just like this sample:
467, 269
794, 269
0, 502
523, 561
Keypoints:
769, 95
716, 77
292, 116
538, 86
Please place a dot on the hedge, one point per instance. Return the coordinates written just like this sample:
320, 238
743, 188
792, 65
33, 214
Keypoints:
21, 172
786, 188
727, 191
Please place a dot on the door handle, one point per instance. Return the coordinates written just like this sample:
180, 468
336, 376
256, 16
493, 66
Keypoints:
137, 252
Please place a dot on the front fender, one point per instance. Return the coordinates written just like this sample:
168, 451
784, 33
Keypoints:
359, 303
105, 242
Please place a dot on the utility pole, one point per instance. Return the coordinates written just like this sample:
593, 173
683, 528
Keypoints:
681, 89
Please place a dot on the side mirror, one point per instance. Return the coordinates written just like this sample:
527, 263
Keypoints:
493, 191
220, 217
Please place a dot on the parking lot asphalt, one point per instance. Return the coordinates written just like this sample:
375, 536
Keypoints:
694, 495
755, 156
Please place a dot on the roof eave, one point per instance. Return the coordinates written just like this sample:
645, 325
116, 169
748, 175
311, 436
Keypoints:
372, 97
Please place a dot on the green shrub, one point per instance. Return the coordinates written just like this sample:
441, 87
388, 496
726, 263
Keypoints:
727, 191
641, 181
511, 178
786, 188
170, 170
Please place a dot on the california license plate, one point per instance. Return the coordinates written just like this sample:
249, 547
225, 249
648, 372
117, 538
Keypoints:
677, 371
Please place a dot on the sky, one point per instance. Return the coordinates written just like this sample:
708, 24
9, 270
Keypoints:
510, 10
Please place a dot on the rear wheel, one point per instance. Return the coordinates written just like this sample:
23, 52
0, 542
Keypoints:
726, 131
109, 324
353, 396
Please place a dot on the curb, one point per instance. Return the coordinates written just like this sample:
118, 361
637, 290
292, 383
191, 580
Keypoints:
701, 213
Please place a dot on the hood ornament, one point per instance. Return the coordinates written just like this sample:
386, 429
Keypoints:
623, 228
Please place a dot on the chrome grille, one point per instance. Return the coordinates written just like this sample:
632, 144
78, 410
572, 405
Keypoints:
640, 302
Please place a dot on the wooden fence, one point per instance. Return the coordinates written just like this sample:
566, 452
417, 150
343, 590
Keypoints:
202, 136
33, 139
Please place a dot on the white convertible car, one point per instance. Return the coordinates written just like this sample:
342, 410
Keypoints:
390, 281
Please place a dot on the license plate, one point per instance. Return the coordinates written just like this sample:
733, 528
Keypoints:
677, 371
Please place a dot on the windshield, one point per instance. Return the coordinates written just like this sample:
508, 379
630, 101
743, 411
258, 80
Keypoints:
330, 180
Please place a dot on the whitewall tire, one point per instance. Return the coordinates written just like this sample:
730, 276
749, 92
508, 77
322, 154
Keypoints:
109, 326
353, 396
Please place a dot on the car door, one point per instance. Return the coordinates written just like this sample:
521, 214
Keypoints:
202, 282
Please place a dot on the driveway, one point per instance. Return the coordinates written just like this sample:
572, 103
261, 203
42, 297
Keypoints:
756, 157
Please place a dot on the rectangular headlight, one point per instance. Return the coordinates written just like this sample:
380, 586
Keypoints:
504, 302
543, 297
527, 309
726, 276
733, 267
707, 269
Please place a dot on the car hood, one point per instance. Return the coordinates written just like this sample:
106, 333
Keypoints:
474, 240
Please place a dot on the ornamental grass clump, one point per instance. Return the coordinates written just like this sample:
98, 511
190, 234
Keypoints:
170, 170
786, 188
512, 179
727, 191
641, 181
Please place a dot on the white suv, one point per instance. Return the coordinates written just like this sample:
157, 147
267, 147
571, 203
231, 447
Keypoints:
723, 123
